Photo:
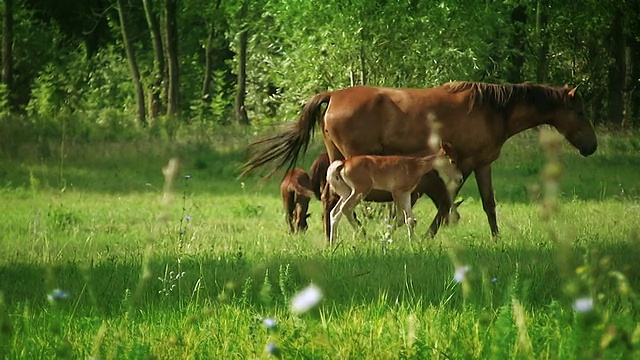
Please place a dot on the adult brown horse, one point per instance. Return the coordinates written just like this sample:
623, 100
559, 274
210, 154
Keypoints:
476, 118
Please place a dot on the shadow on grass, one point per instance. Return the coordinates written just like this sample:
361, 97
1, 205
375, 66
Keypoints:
358, 276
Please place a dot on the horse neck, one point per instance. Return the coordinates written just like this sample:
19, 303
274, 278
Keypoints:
523, 118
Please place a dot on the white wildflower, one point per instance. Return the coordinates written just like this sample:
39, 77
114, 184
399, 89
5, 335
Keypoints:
460, 273
583, 305
306, 299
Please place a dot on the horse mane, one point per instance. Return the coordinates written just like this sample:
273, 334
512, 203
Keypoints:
502, 96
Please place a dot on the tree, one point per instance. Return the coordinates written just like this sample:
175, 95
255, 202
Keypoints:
7, 47
171, 35
243, 39
542, 36
518, 41
159, 68
133, 65
617, 68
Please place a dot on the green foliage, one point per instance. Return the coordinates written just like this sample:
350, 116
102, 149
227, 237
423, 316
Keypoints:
298, 48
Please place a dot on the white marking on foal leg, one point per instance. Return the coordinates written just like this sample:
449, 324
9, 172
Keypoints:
404, 200
334, 217
340, 209
349, 205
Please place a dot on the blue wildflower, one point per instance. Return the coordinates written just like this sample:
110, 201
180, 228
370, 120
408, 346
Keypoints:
269, 323
57, 295
272, 350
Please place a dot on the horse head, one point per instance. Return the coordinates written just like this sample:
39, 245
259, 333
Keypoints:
570, 121
300, 218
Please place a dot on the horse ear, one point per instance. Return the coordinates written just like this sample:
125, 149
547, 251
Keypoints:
308, 215
572, 92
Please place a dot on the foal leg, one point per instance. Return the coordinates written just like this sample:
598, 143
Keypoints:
346, 206
349, 213
334, 217
404, 202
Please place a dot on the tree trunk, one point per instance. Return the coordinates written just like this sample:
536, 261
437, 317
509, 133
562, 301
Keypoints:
207, 96
595, 98
633, 85
133, 66
156, 104
208, 70
173, 90
241, 111
517, 44
364, 75
7, 48
542, 18
617, 69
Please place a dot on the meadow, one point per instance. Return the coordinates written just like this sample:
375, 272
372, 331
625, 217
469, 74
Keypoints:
104, 256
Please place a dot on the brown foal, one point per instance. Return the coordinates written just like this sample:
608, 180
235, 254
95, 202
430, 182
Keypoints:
296, 193
352, 179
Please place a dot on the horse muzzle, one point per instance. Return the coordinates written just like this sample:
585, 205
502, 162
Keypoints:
586, 151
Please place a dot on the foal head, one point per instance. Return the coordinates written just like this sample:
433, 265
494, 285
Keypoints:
447, 164
569, 119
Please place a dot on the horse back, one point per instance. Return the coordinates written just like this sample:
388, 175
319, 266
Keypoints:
386, 121
298, 182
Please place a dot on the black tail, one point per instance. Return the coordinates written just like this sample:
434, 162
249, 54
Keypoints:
288, 145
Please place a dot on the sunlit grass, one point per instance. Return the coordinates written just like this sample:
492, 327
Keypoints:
196, 276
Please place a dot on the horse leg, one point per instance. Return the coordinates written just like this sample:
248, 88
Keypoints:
436, 189
485, 186
329, 201
289, 206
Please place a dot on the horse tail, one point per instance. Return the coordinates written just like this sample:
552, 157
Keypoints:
289, 144
318, 174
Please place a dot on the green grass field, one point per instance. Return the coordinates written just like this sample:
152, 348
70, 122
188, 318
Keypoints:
193, 270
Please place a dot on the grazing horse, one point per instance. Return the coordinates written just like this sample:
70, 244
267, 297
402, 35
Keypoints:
476, 118
318, 174
352, 179
296, 192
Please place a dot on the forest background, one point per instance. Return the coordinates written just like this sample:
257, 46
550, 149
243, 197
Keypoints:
104, 70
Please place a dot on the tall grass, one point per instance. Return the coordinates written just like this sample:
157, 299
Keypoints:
195, 263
